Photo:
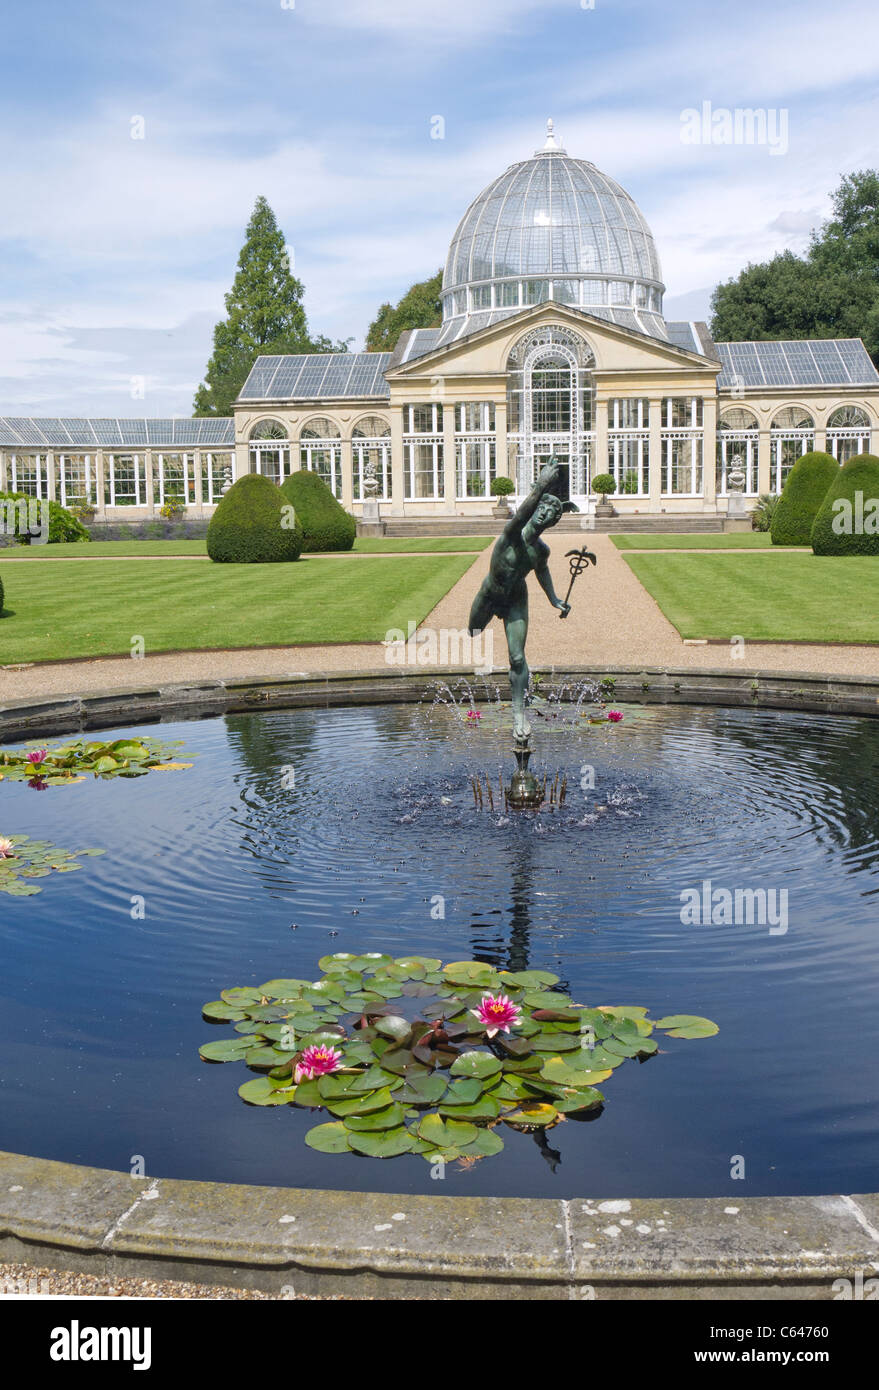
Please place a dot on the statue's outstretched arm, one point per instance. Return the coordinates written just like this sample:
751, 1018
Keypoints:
546, 478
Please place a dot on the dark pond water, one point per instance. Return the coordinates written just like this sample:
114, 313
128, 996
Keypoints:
245, 878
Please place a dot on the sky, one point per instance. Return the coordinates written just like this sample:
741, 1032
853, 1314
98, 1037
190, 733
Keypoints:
134, 141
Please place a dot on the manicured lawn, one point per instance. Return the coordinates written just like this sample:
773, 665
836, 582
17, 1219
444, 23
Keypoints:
733, 540
785, 596
436, 544
364, 545
58, 609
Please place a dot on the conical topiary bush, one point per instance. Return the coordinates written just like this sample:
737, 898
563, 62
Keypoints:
252, 525
325, 523
848, 520
801, 498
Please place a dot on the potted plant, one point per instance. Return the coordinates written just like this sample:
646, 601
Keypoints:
502, 488
604, 484
172, 510
84, 511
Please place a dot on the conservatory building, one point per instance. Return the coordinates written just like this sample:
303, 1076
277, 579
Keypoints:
553, 342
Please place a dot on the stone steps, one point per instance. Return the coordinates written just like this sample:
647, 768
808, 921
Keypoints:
570, 523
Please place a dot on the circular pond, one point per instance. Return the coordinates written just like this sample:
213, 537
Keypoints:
720, 863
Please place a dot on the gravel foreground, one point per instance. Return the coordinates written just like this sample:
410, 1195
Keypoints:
28, 1281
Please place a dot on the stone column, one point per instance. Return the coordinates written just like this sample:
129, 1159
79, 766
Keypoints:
654, 501
198, 483
600, 460
764, 461
709, 454
50, 475
501, 458
151, 477
4, 485
397, 488
347, 474
449, 466
100, 503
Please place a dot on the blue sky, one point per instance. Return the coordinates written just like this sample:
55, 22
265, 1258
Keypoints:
115, 253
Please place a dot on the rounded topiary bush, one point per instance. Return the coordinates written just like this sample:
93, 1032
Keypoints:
325, 523
604, 484
848, 519
502, 486
801, 498
251, 526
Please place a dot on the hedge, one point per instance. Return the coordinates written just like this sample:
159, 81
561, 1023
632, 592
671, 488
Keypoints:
63, 525
801, 498
857, 487
248, 527
325, 523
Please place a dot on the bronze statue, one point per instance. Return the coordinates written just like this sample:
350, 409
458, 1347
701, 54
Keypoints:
504, 593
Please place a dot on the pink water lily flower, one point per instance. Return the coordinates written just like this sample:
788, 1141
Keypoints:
7, 848
498, 1013
316, 1061
39, 755
473, 715
614, 715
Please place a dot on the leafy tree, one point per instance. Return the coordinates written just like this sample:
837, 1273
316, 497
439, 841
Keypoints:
831, 292
264, 316
419, 308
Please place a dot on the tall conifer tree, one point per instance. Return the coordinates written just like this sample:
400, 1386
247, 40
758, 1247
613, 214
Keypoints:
264, 315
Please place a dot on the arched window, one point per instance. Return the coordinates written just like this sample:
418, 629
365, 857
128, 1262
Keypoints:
371, 447
791, 434
737, 439
848, 432
320, 451
268, 429
269, 451
550, 405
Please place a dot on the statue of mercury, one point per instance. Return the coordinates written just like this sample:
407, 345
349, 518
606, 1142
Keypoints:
504, 593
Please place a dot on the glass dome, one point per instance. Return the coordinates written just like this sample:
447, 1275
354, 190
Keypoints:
552, 228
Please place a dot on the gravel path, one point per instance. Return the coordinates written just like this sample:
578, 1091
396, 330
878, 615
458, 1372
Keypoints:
31, 1281
614, 622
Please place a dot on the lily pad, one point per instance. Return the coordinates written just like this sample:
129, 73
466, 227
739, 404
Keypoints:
389, 1118
225, 1050
260, 1091
688, 1026
330, 1138
478, 1064
385, 1143
536, 1116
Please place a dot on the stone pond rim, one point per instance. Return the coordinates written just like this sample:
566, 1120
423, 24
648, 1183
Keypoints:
751, 688
378, 1245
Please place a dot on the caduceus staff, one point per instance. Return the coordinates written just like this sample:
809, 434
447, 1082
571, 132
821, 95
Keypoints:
578, 561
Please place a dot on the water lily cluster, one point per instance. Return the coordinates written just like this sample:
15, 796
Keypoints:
23, 859
43, 767
408, 1056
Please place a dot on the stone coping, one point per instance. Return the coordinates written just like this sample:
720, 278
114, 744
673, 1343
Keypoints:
368, 1245
752, 688
375, 1245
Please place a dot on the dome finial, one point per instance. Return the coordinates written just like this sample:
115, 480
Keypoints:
550, 136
